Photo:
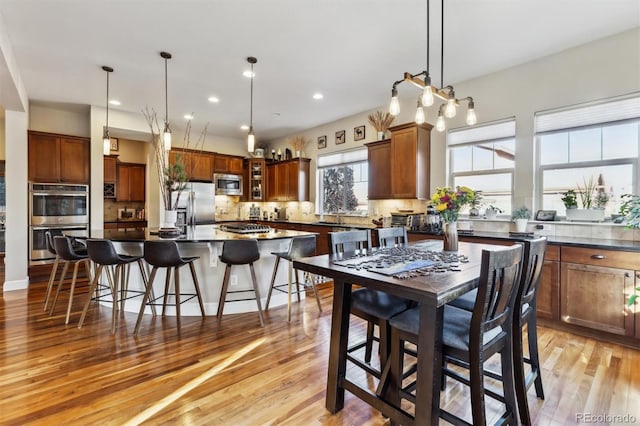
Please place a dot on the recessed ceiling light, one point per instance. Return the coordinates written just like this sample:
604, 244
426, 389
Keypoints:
318, 96
188, 117
214, 99
114, 102
248, 74
244, 127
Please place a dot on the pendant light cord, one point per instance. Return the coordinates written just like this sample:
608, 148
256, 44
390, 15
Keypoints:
107, 101
442, 45
428, 31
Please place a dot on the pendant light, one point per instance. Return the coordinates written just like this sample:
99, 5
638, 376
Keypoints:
106, 139
251, 137
166, 136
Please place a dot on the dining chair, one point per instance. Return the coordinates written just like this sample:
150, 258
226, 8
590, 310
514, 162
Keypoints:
373, 306
532, 264
470, 338
299, 247
392, 237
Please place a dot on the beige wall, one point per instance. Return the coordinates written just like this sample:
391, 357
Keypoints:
3, 154
60, 118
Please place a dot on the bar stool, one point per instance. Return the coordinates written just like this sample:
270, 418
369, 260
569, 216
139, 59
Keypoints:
239, 252
79, 249
299, 247
165, 254
68, 256
117, 267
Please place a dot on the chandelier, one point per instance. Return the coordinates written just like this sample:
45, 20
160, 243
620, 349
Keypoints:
422, 80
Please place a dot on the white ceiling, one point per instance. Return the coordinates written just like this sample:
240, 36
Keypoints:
352, 51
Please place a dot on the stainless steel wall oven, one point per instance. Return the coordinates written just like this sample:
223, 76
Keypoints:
56, 207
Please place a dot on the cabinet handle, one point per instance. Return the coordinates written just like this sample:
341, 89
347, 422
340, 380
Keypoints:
627, 274
597, 256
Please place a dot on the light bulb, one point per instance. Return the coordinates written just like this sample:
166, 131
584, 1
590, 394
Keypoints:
450, 109
394, 107
166, 137
251, 141
427, 96
471, 117
419, 115
440, 125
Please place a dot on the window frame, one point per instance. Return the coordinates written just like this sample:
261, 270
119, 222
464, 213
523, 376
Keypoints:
364, 162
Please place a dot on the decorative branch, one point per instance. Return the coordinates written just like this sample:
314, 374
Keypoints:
381, 121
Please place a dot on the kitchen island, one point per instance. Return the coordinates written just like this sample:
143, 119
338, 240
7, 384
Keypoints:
205, 241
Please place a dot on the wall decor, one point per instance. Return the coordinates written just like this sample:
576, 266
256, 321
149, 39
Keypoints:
322, 142
340, 137
546, 215
114, 144
358, 133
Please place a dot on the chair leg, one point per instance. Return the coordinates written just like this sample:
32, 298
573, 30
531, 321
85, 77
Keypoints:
197, 286
508, 382
223, 292
519, 375
315, 293
76, 266
114, 308
145, 280
369, 343
52, 279
167, 283
273, 280
145, 299
60, 283
477, 388
297, 281
257, 292
176, 283
532, 333
92, 288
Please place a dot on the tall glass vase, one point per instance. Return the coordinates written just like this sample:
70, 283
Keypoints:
450, 236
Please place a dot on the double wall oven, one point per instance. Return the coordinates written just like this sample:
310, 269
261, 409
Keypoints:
57, 208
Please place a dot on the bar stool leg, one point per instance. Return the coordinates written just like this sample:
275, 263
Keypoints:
315, 293
176, 283
223, 292
55, 298
92, 288
297, 281
197, 286
273, 280
73, 287
255, 288
167, 283
289, 289
145, 299
114, 309
52, 279
145, 280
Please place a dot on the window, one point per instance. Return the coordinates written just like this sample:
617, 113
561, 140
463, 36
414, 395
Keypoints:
342, 183
591, 142
482, 158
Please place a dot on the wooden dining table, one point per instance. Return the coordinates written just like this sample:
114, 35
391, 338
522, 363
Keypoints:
431, 291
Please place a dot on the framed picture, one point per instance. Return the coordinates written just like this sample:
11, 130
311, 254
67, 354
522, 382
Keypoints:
114, 144
546, 215
322, 142
340, 137
358, 133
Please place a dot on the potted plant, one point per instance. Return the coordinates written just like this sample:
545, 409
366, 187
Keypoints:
474, 211
593, 199
630, 210
298, 143
381, 121
570, 199
521, 216
492, 212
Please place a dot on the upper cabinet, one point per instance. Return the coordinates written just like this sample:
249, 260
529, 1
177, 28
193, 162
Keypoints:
288, 180
228, 164
110, 175
58, 158
255, 179
130, 182
400, 167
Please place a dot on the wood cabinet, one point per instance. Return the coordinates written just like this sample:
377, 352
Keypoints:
255, 180
288, 180
596, 285
201, 167
110, 163
131, 182
227, 164
379, 161
400, 167
58, 158
548, 294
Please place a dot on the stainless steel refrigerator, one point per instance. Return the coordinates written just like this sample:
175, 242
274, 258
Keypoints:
198, 203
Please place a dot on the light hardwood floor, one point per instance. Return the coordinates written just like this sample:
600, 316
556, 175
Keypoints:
241, 374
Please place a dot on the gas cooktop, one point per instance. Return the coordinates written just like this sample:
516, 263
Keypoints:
244, 228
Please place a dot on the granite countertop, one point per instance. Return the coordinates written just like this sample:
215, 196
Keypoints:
196, 234
561, 240
322, 223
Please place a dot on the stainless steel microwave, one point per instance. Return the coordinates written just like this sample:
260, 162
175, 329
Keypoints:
228, 184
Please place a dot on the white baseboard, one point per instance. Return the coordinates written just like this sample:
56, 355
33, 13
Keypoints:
16, 285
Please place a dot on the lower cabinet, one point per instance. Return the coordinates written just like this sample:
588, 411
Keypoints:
548, 297
596, 285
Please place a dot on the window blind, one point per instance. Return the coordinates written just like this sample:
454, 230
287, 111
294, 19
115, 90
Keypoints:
343, 157
490, 131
